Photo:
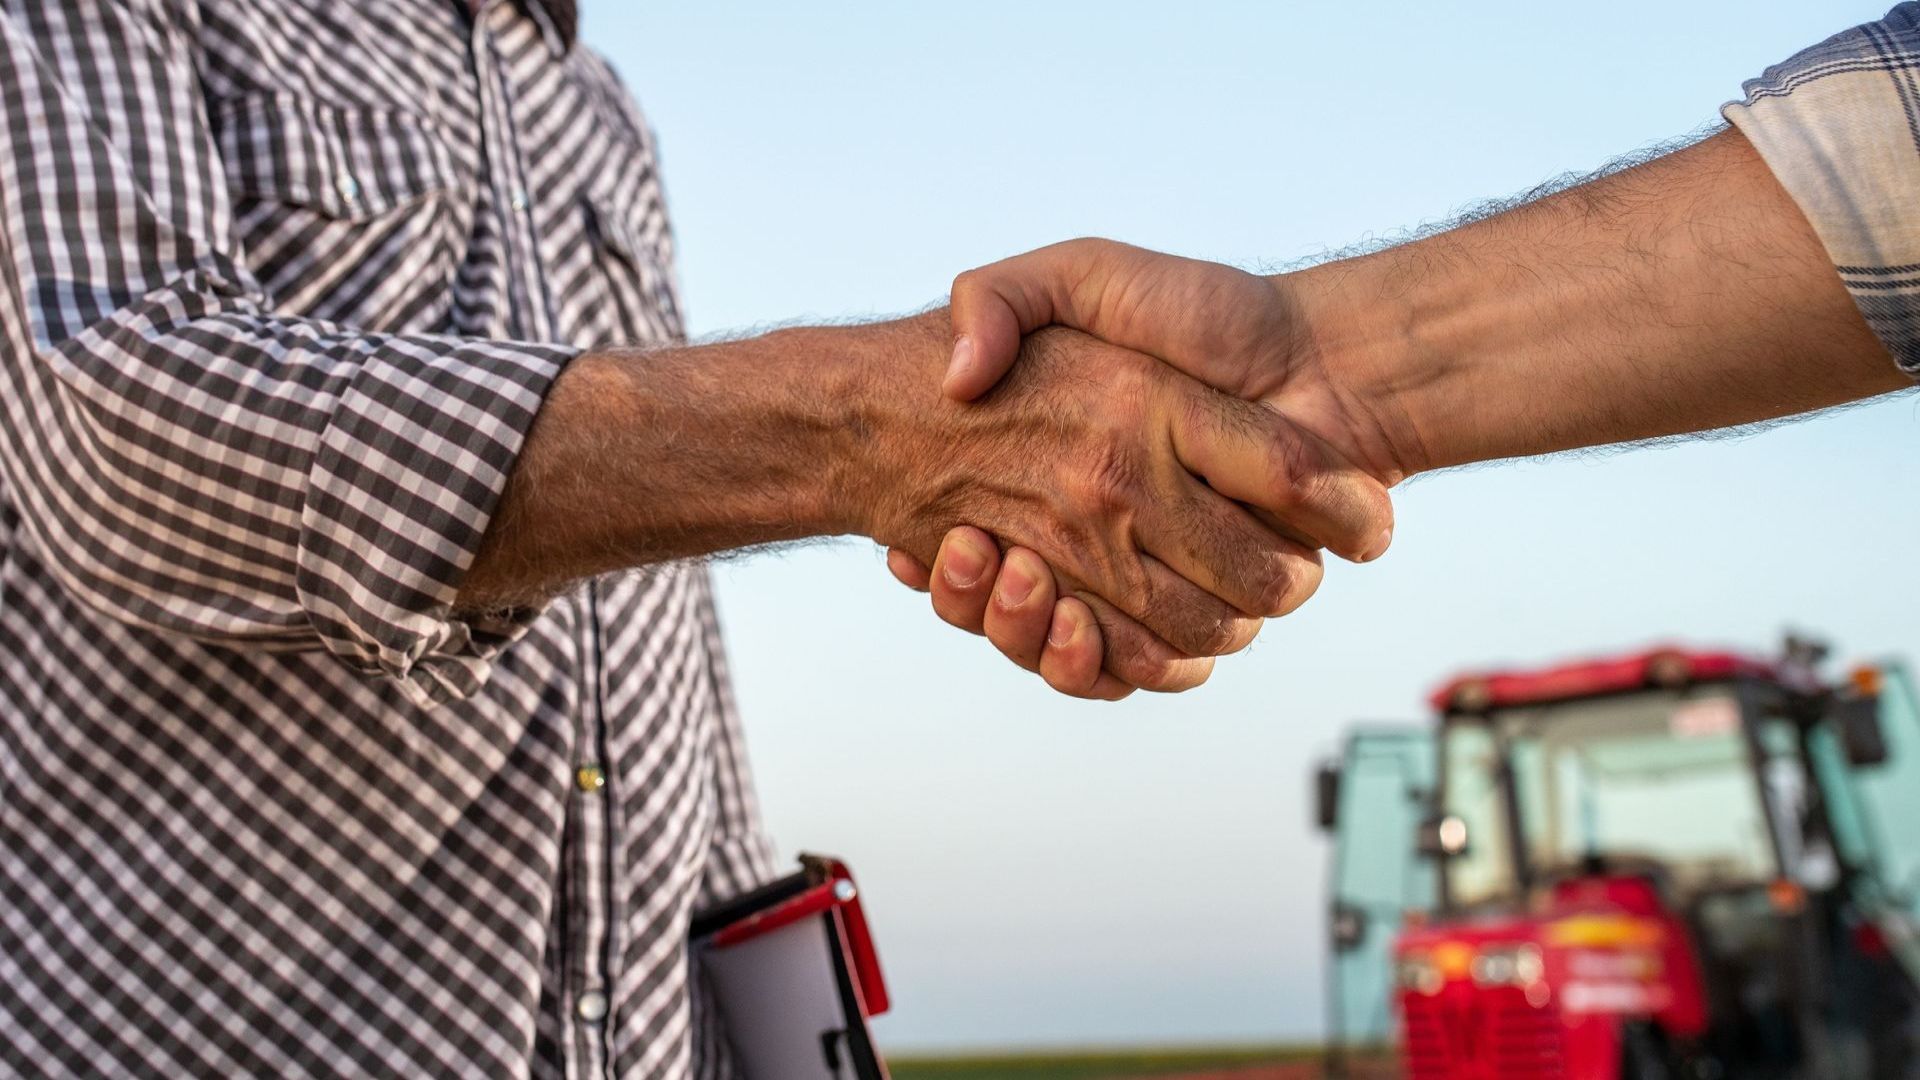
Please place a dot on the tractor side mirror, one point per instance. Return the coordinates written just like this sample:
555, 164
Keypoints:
1326, 796
1346, 927
1856, 719
1442, 836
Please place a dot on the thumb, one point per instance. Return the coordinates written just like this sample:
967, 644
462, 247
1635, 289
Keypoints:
997, 305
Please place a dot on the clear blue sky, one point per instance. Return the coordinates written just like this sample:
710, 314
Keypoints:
1044, 871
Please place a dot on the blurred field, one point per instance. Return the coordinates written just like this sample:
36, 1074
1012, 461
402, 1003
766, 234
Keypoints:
1254, 1063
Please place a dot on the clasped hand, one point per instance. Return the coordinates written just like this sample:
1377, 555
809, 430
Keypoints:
1125, 516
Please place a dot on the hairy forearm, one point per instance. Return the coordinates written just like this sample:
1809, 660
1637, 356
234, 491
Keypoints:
1683, 295
643, 456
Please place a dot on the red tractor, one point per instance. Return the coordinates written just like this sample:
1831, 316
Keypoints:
1674, 864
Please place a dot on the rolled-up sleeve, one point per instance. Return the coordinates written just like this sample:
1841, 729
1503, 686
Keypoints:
1839, 125
186, 458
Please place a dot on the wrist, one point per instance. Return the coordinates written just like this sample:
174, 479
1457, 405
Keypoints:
828, 378
1441, 341
756, 433
1685, 294
1364, 334
643, 456
875, 387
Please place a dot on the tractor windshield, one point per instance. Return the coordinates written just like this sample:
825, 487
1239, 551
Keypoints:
1661, 782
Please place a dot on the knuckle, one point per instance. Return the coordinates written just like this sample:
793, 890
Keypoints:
1244, 631
1158, 678
1090, 248
1148, 665
1136, 583
1197, 412
1193, 622
1193, 628
1303, 581
1071, 550
1135, 656
1217, 636
1062, 540
1294, 472
1277, 582
1192, 674
1141, 593
1131, 655
1178, 674
1104, 485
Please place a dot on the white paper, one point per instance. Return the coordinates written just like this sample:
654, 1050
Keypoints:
779, 998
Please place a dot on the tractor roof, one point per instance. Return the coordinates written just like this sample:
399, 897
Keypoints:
1665, 666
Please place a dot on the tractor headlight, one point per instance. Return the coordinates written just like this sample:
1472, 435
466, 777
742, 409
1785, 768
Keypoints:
1418, 972
1508, 965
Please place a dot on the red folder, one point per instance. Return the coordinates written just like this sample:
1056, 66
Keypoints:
793, 971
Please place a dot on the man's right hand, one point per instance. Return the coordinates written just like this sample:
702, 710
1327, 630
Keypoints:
1179, 515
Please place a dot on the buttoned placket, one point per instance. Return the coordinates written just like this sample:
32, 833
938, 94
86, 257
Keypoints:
595, 927
586, 925
586, 928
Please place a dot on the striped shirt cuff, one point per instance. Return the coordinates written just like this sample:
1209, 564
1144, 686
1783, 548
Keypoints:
1839, 125
406, 478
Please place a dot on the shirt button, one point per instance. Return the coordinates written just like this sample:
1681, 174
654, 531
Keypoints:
590, 778
591, 1006
348, 187
519, 199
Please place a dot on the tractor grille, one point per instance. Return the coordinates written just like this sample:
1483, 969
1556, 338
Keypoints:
1481, 1034
1527, 1041
1425, 1043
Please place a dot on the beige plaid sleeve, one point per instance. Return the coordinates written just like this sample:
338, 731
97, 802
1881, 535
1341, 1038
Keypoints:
1839, 125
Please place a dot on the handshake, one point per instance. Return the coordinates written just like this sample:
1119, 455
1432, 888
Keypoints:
1175, 443
1134, 458
1152, 472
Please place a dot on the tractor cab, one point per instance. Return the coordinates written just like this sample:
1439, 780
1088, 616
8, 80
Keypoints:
1670, 864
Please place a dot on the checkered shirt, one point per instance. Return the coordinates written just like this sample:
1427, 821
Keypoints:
1839, 125
282, 286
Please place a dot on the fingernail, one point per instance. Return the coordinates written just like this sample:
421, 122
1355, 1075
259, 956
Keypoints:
1062, 630
1016, 584
963, 565
962, 361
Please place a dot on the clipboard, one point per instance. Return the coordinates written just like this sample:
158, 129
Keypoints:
793, 972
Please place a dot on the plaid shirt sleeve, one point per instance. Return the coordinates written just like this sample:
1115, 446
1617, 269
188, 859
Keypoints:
1839, 125
190, 460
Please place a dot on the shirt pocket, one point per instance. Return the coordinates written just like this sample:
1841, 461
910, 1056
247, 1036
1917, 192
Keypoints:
633, 256
354, 215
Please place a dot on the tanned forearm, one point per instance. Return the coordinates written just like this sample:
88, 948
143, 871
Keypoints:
1685, 294
644, 456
